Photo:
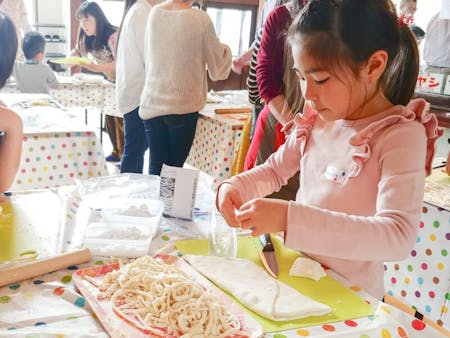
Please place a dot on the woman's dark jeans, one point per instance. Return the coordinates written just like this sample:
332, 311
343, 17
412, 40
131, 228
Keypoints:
170, 139
135, 143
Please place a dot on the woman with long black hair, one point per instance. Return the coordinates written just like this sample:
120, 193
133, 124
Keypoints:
98, 37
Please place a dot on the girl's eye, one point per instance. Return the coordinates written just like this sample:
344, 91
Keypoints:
322, 81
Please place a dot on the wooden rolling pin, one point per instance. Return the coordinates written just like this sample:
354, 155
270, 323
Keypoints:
395, 302
232, 110
41, 266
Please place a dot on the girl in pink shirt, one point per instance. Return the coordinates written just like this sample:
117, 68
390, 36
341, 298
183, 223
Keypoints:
362, 148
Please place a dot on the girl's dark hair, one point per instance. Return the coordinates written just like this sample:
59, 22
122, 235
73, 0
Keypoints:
128, 4
8, 47
291, 86
104, 28
347, 32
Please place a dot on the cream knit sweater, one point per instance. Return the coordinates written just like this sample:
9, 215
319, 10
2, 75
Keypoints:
180, 47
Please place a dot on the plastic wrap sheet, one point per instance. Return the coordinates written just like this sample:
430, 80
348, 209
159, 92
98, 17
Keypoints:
85, 202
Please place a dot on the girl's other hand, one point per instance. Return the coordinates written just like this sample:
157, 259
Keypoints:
229, 201
263, 215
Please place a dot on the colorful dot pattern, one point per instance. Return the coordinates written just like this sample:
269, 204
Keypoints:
58, 158
387, 322
423, 279
49, 286
72, 94
100, 96
216, 143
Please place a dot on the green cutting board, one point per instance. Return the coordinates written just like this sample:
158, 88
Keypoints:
344, 303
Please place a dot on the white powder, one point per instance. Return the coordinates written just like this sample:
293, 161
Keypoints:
113, 231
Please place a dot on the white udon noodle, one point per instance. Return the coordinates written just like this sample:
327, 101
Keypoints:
154, 296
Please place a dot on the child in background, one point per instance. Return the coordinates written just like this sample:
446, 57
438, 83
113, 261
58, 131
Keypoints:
34, 76
10, 123
98, 37
362, 148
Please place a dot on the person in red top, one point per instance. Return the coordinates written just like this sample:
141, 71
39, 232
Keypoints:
274, 76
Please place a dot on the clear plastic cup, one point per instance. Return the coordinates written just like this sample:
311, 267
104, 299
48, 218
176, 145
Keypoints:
222, 240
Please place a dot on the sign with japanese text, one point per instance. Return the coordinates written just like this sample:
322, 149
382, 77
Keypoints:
430, 82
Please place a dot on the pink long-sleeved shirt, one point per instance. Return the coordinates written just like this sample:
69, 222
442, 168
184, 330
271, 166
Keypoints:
361, 188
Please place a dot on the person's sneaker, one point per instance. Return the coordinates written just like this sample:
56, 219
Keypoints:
113, 158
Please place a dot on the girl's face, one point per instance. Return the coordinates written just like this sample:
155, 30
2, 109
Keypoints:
333, 96
88, 25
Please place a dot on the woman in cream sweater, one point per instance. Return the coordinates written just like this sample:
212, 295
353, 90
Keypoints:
176, 62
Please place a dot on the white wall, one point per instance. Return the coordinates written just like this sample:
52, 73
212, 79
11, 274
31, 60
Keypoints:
113, 10
50, 11
425, 10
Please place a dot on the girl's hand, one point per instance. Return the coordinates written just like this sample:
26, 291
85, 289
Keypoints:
263, 215
229, 201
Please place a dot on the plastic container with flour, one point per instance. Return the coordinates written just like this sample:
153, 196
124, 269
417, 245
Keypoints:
125, 229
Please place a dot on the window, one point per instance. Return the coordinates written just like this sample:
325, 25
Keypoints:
234, 23
113, 10
29, 4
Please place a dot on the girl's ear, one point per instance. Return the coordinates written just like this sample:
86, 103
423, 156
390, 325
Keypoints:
376, 65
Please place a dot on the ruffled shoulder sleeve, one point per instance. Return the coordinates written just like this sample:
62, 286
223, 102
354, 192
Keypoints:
302, 124
421, 108
417, 110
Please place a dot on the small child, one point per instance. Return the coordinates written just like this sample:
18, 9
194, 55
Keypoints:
361, 147
33, 76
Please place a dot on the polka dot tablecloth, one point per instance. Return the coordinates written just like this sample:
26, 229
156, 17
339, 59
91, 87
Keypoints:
57, 148
55, 307
74, 94
50, 305
99, 96
58, 158
423, 279
216, 142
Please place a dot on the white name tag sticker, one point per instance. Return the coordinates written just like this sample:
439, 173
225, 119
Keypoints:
336, 175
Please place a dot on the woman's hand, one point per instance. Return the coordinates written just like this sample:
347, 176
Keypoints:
263, 215
101, 68
93, 67
229, 201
